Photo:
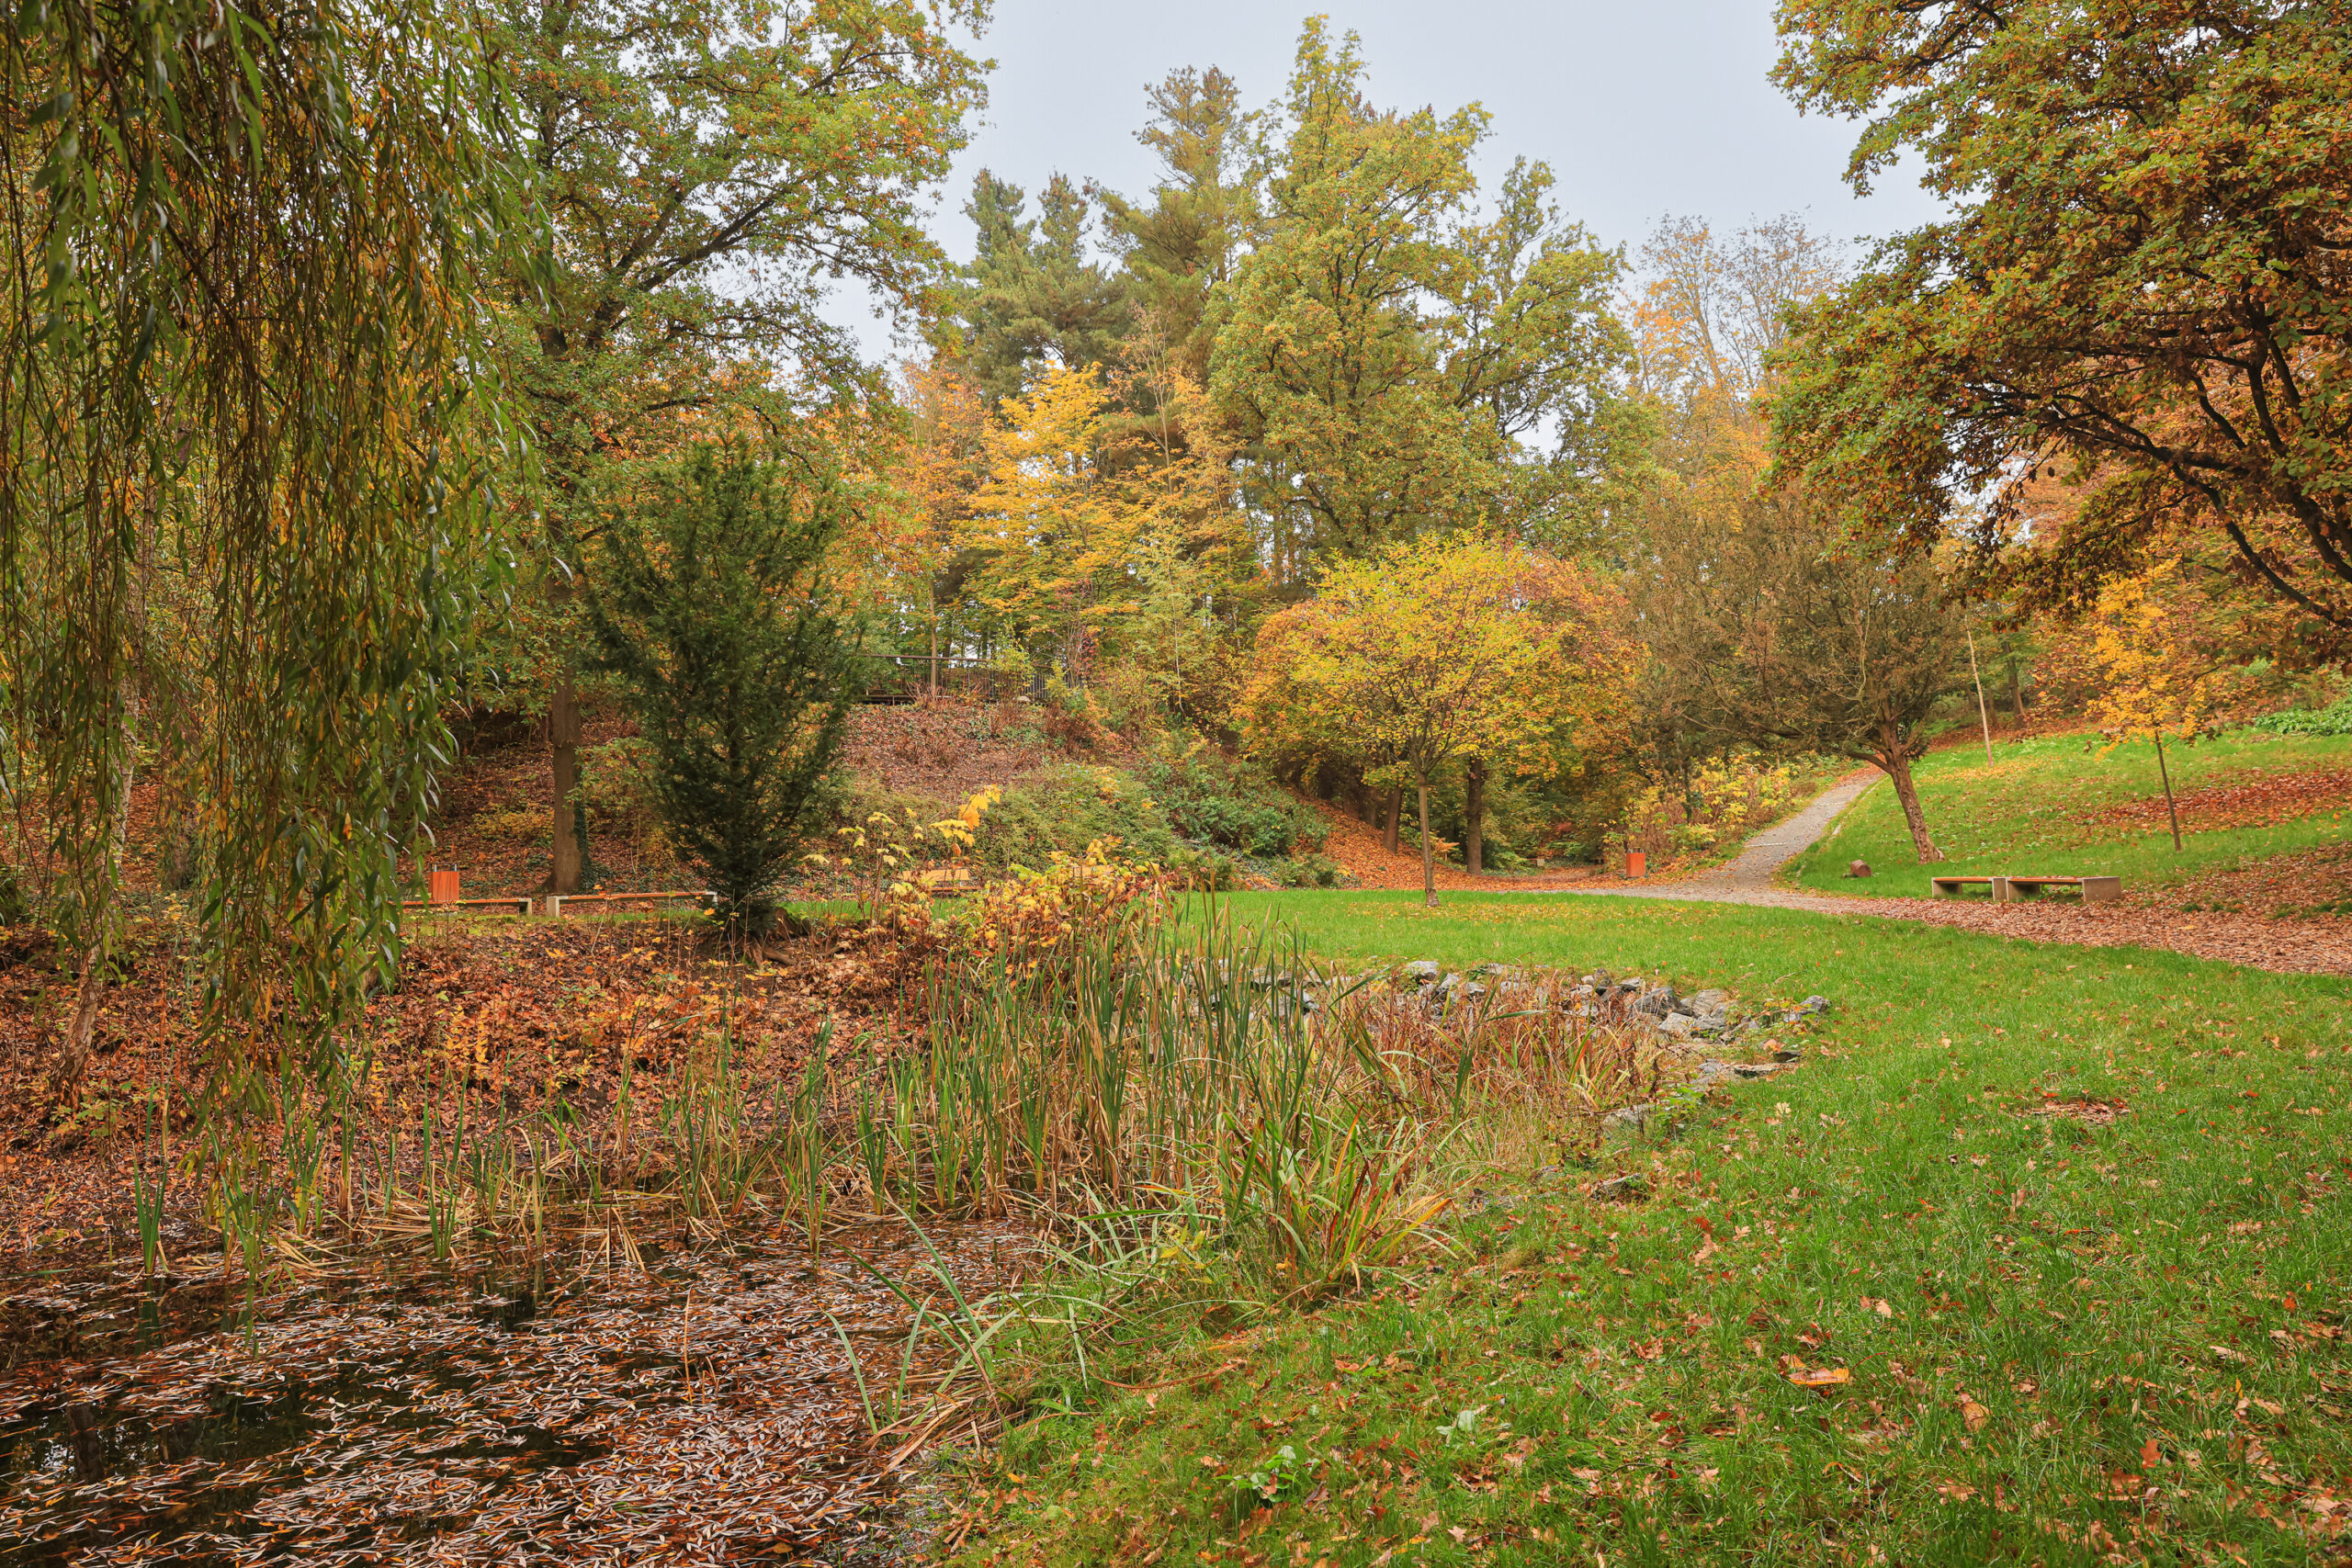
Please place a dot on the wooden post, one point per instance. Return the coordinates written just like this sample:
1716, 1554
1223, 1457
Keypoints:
1983, 716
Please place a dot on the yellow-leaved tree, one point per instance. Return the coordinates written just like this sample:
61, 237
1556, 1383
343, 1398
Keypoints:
2148, 665
1443, 648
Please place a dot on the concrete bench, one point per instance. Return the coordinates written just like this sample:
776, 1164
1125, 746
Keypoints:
557, 903
2094, 889
2015, 889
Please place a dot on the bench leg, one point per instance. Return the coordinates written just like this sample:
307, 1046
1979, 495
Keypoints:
2003, 891
2102, 889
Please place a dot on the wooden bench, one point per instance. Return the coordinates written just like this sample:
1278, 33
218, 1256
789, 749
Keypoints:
2015, 889
947, 881
557, 902
517, 905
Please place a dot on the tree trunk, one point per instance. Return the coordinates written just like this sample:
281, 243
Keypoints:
1474, 815
1897, 763
1428, 865
2017, 695
566, 851
2165, 774
1395, 810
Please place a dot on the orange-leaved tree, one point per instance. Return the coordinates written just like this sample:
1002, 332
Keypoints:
2149, 667
1443, 648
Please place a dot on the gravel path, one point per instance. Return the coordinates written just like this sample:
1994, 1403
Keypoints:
1748, 878
2307, 947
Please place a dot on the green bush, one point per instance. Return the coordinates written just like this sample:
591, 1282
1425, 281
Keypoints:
2337, 721
1066, 809
1306, 870
1211, 798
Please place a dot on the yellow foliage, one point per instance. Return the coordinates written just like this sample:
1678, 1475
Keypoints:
2146, 662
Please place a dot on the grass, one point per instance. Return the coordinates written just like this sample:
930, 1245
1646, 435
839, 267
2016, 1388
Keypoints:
2027, 813
2071, 1221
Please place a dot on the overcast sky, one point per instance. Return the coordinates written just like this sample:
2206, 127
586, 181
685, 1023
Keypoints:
1642, 110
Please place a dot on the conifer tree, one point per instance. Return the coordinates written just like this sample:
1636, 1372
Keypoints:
713, 612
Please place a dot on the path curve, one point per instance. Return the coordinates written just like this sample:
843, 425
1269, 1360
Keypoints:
2308, 947
1746, 878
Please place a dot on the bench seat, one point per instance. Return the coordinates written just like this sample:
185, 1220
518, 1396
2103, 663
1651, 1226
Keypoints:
556, 902
2012, 889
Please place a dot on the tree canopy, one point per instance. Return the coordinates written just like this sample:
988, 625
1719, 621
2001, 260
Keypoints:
2141, 281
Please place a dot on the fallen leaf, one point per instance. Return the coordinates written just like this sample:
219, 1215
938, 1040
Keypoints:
1821, 1377
1958, 1491
1974, 1414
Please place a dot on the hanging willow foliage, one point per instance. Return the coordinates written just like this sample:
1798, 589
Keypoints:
244, 461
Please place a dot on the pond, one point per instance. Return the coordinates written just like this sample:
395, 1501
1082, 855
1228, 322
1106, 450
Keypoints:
700, 1410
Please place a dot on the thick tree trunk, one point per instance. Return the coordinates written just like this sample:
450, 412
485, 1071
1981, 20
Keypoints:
1428, 865
567, 853
1897, 763
1395, 810
1474, 816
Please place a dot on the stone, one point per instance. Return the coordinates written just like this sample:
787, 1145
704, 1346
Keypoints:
1714, 999
1812, 1005
1712, 1072
1658, 1003
1681, 1025
1628, 1118
1857, 868
1422, 971
1629, 1189
1756, 1069
1784, 1054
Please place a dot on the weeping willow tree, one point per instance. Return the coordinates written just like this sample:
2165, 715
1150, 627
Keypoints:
243, 442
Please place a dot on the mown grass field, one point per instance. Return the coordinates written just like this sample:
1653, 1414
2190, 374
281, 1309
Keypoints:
2034, 811
2073, 1222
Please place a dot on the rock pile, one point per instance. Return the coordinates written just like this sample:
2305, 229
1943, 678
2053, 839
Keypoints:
1685, 1027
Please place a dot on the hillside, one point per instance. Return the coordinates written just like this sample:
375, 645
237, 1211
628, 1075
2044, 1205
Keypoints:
2263, 817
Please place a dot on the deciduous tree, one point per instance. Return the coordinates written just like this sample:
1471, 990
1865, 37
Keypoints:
238, 354
2141, 277
1433, 650
1388, 358
2152, 684
1789, 636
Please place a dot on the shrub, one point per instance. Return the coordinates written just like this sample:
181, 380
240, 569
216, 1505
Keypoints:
713, 609
2336, 720
1063, 810
1306, 870
1207, 796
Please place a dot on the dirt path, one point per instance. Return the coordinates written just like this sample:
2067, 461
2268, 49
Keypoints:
2307, 947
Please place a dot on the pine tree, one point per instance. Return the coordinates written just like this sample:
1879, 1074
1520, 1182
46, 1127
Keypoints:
1032, 300
713, 612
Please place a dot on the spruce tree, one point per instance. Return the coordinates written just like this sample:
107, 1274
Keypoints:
710, 604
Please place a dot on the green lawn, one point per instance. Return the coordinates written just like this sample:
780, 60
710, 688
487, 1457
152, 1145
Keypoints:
2067, 1341
2025, 813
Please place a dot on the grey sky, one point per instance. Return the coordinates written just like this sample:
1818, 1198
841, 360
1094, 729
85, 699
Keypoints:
1642, 110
